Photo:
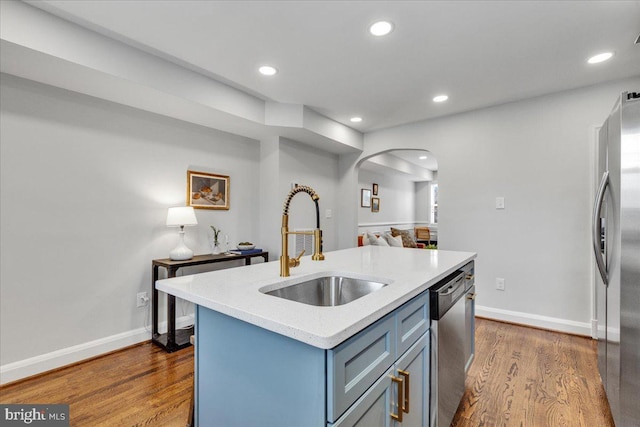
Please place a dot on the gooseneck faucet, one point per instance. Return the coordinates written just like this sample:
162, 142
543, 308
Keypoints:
285, 261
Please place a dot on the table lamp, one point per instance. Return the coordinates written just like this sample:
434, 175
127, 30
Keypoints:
179, 217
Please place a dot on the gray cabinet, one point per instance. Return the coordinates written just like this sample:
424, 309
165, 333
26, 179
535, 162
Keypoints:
415, 363
373, 408
399, 341
246, 375
392, 402
356, 364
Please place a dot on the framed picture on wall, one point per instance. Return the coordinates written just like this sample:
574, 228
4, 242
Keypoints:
375, 189
365, 198
207, 190
375, 204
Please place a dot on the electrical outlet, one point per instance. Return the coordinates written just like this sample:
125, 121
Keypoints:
499, 202
142, 299
500, 283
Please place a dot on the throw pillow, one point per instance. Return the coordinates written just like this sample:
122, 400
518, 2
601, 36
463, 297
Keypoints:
371, 238
395, 242
375, 241
407, 239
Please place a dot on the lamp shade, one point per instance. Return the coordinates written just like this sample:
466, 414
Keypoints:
182, 215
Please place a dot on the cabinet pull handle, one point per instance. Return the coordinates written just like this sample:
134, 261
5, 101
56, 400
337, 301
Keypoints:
399, 381
405, 405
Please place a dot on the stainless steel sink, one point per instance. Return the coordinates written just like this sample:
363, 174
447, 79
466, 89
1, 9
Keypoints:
327, 291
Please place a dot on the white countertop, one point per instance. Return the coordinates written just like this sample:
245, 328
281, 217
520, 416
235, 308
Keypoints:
236, 291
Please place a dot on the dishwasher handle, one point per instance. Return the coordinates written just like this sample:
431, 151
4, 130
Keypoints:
452, 286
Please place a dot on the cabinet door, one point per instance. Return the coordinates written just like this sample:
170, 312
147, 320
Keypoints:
373, 408
413, 321
356, 364
415, 366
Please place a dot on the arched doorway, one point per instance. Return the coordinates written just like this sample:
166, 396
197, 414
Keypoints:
398, 188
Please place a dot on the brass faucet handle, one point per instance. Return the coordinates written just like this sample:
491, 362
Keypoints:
294, 262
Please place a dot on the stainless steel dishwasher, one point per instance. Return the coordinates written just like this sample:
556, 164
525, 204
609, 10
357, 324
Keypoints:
450, 344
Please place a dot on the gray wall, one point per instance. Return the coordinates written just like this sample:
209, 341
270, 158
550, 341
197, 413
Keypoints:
85, 186
538, 154
85, 189
397, 199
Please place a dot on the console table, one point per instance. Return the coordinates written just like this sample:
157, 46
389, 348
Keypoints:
172, 340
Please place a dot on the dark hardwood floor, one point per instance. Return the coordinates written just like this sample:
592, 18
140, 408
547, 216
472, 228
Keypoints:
528, 377
521, 377
138, 386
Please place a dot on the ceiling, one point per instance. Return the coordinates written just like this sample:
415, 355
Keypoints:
415, 157
408, 164
480, 53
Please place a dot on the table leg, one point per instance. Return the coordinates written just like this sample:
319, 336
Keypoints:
171, 327
171, 315
154, 303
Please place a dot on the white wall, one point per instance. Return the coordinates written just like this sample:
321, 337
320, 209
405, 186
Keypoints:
423, 201
538, 154
318, 169
397, 201
85, 190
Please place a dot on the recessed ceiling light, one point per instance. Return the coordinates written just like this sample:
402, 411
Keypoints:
423, 157
381, 28
601, 57
267, 70
355, 119
440, 98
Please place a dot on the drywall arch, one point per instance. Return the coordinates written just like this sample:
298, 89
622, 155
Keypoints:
403, 189
349, 169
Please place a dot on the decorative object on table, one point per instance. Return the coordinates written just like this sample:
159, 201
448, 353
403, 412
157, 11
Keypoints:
207, 190
375, 204
365, 198
246, 246
180, 217
245, 251
215, 242
375, 189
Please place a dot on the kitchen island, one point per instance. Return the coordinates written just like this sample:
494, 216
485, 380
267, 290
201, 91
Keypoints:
264, 360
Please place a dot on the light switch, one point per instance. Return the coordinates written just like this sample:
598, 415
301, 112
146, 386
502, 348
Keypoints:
499, 202
327, 213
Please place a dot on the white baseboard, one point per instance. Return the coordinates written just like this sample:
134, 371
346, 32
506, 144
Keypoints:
535, 320
66, 356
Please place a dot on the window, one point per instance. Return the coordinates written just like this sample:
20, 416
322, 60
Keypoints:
434, 203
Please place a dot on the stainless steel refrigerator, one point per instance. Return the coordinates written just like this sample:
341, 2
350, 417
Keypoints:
616, 243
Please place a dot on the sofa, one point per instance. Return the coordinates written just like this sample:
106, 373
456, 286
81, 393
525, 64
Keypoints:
394, 237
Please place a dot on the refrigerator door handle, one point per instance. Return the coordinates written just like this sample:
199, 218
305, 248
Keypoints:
597, 228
